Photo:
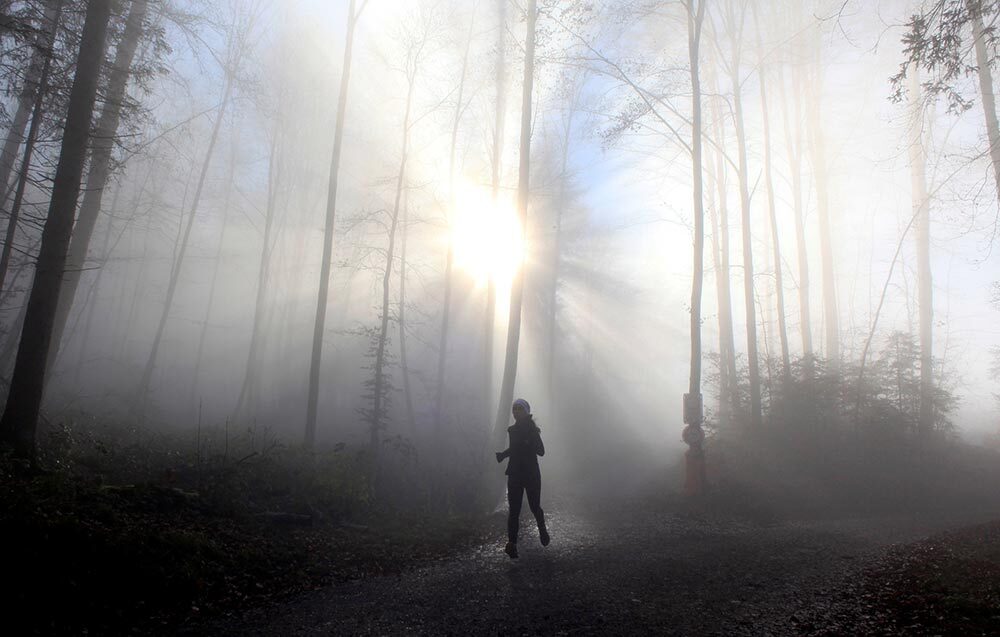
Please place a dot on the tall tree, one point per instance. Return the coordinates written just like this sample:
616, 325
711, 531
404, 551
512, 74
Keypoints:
736, 14
40, 89
821, 179
401, 318
249, 385
331, 213
20, 417
523, 191
414, 59
729, 396
552, 318
925, 293
693, 408
31, 90
216, 265
452, 204
772, 208
793, 147
100, 168
984, 73
935, 41
500, 75
235, 51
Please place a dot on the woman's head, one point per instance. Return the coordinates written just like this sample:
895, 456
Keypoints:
521, 409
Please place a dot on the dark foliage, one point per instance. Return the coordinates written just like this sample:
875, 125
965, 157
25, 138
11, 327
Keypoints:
938, 40
832, 446
129, 531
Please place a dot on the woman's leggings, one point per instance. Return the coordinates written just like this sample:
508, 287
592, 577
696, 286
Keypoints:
515, 489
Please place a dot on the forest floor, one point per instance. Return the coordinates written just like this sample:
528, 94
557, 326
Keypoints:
85, 557
152, 552
672, 570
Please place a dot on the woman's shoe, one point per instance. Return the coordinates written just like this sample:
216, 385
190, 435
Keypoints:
543, 535
511, 550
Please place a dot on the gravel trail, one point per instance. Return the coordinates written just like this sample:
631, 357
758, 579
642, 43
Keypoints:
636, 572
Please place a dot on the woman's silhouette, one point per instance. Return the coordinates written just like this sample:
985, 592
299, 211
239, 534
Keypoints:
525, 445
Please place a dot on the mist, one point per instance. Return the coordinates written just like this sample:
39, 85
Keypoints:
739, 248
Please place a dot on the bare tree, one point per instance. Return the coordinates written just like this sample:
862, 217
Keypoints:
693, 408
100, 167
331, 213
925, 294
735, 20
248, 387
772, 209
500, 75
523, 192
401, 317
552, 317
793, 146
39, 84
985, 76
446, 303
31, 90
236, 48
216, 264
414, 58
729, 396
821, 178
20, 417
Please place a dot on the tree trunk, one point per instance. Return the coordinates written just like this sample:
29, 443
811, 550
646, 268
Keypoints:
378, 384
147, 373
693, 409
986, 88
99, 170
249, 385
331, 210
30, 93
723, 415
925, 293
517, 286
817, 147
729, 396
489, 324
90, 301
786, 364
29, 147
446, 305
756, 416
553, 314
20, 418
216, 263
793, 145
404, 366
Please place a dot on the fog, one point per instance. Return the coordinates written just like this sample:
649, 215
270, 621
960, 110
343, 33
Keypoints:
196, 306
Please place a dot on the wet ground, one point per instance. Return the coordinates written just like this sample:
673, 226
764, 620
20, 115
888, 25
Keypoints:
634, 572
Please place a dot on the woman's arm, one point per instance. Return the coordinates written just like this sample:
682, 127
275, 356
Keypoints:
539, 446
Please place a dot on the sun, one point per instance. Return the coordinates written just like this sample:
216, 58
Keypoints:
486, 236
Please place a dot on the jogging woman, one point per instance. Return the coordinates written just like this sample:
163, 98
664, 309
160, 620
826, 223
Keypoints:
522, 472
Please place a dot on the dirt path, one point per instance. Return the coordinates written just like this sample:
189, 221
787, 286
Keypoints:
635, 573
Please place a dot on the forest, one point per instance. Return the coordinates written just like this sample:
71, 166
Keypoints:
273, 273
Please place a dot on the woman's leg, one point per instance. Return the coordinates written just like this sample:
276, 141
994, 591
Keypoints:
515, 492
534, 490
